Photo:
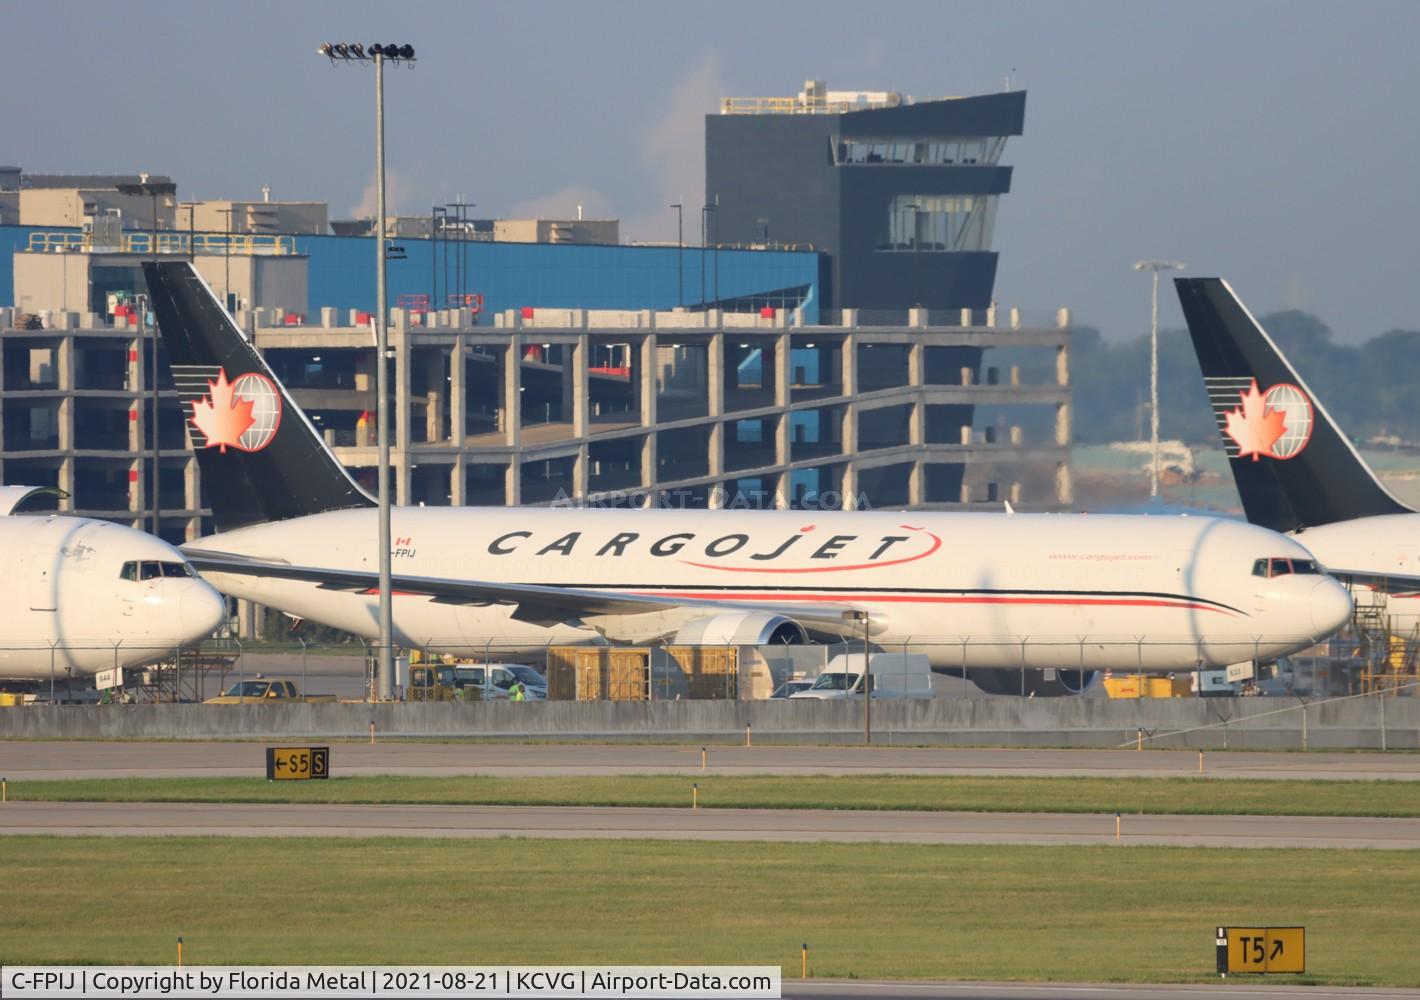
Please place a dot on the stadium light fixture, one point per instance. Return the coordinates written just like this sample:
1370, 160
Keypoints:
358, 52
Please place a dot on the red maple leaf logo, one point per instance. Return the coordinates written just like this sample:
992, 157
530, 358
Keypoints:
222, 417
1254, 426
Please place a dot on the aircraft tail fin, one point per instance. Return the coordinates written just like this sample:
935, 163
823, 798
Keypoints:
1293, 466
261, 459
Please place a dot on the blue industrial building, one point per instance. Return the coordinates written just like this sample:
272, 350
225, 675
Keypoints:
516, 275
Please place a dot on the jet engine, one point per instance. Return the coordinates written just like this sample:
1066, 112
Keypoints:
741, 628
1037, 683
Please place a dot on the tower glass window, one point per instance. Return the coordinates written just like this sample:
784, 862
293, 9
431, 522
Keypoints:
930, 152
940, 222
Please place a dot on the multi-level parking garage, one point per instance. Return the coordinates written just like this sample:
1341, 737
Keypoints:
692, 409
698, 409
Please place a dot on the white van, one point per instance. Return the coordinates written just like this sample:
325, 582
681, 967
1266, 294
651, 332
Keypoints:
495, 680
894, 675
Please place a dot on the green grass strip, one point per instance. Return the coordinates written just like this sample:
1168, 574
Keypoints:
1185, 796
1092, 914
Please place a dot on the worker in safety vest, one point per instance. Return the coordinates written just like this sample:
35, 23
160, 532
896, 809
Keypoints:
516, 693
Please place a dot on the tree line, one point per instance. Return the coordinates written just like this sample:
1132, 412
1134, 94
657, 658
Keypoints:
1370, 388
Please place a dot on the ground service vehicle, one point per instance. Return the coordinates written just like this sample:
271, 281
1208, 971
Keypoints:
262, 691
432, 682
893, 675
495, 681
790, 688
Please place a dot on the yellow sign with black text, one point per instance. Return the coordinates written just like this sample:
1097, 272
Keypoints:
1262, 949
297, 763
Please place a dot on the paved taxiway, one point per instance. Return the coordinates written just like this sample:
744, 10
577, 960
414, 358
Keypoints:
852, 826
43, 759
1084, 991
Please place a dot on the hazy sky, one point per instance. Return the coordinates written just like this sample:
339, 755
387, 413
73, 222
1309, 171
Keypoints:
1271, 142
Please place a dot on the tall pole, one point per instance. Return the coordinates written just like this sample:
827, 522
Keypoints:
1154, 389
716, 285
679, 254
227, 261
377, 54
867, 685
382, 415
1155, 266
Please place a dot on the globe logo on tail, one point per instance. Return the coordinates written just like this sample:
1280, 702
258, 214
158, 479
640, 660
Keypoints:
243, 414
1274, 424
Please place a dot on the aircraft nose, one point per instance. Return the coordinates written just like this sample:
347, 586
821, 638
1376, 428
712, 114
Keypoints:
201, 610
1330, 606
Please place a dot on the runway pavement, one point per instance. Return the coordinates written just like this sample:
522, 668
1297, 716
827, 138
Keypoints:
42, 759
1084, 991
779, 825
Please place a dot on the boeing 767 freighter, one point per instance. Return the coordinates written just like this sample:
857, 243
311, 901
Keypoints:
983, 592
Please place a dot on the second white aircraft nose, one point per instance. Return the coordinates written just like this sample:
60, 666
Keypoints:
200, 611
1330, 606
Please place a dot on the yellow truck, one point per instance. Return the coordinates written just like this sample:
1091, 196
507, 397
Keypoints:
265, 692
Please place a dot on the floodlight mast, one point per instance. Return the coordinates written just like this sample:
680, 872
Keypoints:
1155, 266
377, 54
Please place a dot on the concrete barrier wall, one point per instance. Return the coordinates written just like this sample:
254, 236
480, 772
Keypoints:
1216, 723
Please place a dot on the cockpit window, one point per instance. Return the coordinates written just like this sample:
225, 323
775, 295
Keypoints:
147, 570
1274, 567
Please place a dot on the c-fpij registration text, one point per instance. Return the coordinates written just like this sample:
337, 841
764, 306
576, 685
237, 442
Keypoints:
730, 981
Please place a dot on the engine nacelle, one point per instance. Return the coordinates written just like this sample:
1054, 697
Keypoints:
741, 628
1034, 683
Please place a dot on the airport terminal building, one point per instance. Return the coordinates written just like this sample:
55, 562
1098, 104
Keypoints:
898, 196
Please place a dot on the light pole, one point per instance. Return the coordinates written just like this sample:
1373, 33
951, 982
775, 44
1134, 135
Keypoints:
679, 254
1155, 266
704, 214
227, 260
377, 53
705, 211
716, 209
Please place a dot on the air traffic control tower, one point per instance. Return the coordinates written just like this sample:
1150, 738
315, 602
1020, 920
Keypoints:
899, 195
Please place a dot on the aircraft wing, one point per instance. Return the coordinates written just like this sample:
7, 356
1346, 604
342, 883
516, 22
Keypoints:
1397, 584
537, 604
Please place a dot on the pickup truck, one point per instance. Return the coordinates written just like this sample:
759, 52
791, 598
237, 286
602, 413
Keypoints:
255, 692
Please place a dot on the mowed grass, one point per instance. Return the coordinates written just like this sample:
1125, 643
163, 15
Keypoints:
868, 911
1192, 796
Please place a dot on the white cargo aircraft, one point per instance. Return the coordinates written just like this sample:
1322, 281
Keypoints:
79, 596
1294, 469
997, 594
